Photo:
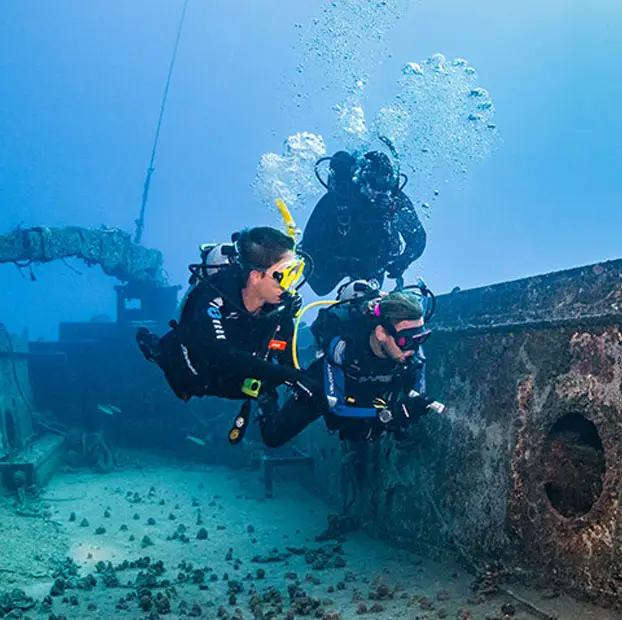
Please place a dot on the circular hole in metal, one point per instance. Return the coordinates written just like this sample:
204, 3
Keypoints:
574, 465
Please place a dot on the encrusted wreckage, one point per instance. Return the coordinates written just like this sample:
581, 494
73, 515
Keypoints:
112, 248
525, 467
31, 443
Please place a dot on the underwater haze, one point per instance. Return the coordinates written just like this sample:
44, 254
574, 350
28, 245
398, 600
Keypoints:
81, 86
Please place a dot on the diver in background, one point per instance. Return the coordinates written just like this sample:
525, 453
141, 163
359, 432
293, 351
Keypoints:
364, 225
372, 369
236, 322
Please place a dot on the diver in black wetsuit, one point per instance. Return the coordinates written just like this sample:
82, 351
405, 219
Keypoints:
235, 324
364, 225
372, 370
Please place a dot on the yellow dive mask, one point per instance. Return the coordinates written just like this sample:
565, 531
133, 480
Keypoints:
289, 272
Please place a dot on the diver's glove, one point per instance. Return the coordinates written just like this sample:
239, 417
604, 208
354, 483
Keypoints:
418, 405
307, 390
149, 344
293, 303
406, 410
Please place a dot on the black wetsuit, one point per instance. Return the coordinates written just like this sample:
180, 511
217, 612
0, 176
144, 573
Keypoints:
347, 235
367, 377
218, 344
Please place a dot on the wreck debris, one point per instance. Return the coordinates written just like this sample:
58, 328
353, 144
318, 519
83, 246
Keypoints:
536, 611
112, 248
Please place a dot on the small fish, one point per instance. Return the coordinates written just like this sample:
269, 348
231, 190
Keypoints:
108, 409
196, 440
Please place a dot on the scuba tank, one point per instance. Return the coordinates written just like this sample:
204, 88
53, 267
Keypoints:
214, 257
346, 310
356, 289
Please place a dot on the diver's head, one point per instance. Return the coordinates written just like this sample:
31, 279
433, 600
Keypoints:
376, 176
398, 326
267, 256
341, 171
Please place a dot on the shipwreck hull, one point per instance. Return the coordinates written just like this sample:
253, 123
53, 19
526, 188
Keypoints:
525, 466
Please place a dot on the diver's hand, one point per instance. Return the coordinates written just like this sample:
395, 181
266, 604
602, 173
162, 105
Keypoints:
418, 405
308, 391
292, 301
423, 404
408, 409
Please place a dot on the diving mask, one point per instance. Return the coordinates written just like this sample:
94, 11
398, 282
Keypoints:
377, 177
289, 272
409, 339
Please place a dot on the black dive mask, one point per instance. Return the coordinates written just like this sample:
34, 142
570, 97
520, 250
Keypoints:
380, 183
377, 174
409, 339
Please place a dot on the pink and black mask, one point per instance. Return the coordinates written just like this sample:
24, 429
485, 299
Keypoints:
409, 339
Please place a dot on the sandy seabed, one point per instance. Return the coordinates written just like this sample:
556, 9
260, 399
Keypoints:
156, 508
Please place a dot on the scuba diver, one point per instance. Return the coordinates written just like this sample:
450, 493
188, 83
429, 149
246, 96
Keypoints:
372, 368
235, 326
364, 225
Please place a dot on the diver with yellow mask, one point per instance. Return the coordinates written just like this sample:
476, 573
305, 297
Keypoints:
233, 336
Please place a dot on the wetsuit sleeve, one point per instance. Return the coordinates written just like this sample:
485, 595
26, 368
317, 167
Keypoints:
411, 229
286, 334
215, 351
414, 379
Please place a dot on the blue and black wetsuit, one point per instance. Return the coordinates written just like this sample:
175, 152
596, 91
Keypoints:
357, 381
355, 378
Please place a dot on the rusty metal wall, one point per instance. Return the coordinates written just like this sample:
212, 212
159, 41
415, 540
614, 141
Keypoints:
15, 394
525, 466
